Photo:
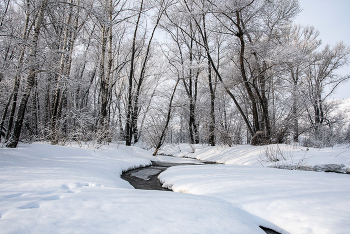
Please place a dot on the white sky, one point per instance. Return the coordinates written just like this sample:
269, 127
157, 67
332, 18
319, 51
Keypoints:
332, 19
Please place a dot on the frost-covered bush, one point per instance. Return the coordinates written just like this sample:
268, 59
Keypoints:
331, 131
281, 157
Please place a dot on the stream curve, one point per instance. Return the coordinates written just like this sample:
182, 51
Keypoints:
146, 178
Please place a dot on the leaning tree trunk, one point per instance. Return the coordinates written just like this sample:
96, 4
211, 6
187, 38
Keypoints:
251, 96
30, 79
128, 125
17, 77
135, 113
162, 135
206, 47
103, 88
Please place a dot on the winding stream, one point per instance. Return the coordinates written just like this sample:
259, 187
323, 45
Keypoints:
146, 178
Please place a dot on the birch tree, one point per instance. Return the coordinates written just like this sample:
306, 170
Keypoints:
31, 75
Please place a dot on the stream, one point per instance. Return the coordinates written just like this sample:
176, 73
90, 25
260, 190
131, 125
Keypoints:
146, 178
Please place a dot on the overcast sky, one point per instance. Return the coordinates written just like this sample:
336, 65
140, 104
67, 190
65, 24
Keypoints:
332, 19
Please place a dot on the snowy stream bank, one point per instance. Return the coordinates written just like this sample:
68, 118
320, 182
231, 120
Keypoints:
146, 178
77, 189
74, 189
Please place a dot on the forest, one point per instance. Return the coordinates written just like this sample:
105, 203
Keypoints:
166, 71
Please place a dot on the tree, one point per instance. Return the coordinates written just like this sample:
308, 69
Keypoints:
128, 125
320, 75
142, 76
31, 76
304, 41
166, 124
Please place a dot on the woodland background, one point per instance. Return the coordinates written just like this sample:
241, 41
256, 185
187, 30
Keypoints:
175, 71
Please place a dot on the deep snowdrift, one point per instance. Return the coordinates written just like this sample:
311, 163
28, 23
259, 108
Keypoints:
55, 189
335, 159
296, 201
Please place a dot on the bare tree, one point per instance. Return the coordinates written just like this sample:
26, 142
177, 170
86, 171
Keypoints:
31, 76
167, 120
128, 125
321, 73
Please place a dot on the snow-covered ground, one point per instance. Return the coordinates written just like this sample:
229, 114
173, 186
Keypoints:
282, 156
55, 189
298, 202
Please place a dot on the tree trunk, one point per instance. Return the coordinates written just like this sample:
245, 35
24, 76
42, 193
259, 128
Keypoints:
105, 76
139, 85
162, 136
212, 93
4, 117
295, 106
128, 125
17, 77
58, 94
240, 35
212, 108
264, 103
206, 47
30, 79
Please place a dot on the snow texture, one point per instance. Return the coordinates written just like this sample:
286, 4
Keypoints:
335, 159
309, 201
56, 189
146, 173
296, 201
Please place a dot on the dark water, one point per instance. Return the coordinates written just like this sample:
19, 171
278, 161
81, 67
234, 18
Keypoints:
146, 178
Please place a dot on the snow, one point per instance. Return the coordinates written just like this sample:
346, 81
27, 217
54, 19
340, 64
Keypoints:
68, 189
56, 189
291, 156
170, 159
296, 201
145, 173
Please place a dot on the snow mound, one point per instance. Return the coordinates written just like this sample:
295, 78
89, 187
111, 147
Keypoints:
56, 189
296, 201
292, 157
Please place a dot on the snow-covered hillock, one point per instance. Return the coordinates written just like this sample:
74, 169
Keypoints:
61, 189
298, 202
332, 159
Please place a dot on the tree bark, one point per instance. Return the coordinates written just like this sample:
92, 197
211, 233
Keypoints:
240, 35
135, 112
162, 136
105, 76
4, 117
17, 77
212, 93
30, 79
58, 94
212, 108
128, 125
295, 77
